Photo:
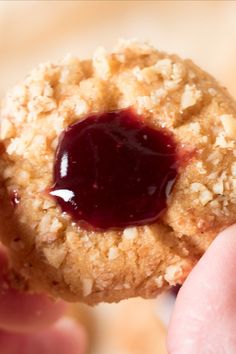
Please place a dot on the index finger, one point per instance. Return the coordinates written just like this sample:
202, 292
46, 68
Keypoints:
25, 312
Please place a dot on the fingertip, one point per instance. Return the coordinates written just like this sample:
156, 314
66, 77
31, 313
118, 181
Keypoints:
28, 312
65, 337
24, 312
205, 308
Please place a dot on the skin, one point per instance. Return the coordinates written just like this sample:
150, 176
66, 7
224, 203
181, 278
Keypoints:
204, 317
34, 323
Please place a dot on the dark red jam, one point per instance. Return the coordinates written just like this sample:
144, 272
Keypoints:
112, 170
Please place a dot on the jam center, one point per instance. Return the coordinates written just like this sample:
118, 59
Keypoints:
112, 170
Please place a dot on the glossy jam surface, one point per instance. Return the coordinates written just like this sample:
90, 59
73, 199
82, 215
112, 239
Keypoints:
112, 170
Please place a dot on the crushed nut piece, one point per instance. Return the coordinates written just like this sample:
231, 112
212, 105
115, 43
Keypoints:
87, 286
159, 281
101, 63
113, 253
164, 67
55, 257
218, 188
233, 169
204, 194
130, 233
7, 129
222, 142
229, 124
190, 96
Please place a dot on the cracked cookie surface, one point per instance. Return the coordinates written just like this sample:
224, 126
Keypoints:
49, 251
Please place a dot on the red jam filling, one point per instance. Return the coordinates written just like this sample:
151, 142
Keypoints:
113, 170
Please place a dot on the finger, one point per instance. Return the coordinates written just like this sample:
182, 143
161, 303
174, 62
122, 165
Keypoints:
25, 312
63, 338
204, 316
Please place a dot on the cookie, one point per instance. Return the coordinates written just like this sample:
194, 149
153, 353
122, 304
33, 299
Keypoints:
75, 135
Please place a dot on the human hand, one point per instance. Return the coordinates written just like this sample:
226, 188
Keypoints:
31, 324
204, 317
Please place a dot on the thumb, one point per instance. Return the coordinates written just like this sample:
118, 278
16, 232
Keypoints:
204, 317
